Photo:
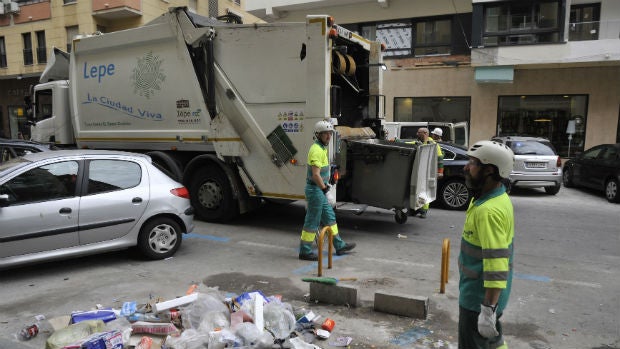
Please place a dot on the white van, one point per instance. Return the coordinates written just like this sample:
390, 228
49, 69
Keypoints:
457, 133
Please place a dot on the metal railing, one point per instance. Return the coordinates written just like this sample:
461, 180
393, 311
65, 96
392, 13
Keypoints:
594, 30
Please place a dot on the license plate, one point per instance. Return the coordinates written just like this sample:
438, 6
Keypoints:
536, 164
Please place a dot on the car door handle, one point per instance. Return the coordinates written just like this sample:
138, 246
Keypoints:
65, 210
136, 200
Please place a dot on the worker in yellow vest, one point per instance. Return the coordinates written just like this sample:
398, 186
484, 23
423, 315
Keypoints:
486, 257
319, 211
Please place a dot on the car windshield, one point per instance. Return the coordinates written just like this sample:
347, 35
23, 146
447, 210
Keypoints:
531, 148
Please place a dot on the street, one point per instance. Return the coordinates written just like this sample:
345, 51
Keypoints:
565, 293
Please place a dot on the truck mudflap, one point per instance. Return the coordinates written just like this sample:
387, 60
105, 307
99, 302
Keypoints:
389, 175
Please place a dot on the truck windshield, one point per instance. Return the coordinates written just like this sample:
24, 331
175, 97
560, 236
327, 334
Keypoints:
43, 104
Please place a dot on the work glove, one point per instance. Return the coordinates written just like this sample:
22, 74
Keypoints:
326, 189
486, 321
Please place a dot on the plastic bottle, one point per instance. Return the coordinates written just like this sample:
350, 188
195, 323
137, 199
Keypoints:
29, 332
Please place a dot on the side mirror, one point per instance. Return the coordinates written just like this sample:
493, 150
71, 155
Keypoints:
4, 200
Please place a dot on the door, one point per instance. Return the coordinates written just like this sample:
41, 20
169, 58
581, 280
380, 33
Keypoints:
42, 214
423, 187
582, 170
461, 133
115, 195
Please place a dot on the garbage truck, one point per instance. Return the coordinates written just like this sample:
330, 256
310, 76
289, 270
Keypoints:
229, 110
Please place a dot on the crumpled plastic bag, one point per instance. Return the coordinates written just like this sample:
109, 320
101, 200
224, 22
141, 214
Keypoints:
192, 314
279, 320
74, 333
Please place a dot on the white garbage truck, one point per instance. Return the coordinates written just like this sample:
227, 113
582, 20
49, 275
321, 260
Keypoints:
229, 110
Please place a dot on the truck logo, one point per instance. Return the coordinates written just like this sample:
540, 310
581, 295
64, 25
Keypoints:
148, 75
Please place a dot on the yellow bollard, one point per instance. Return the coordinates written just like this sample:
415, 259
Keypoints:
445, 263
330, 247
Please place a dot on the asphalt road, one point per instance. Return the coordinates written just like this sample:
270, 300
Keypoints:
565, 294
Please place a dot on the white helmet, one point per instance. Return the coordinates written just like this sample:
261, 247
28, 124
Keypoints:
437, 131
323, 126
494, 153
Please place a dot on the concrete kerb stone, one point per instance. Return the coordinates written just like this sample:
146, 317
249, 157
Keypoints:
399, 304
334, 294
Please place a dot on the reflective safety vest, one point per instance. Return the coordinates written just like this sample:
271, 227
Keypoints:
486, 256
317, 156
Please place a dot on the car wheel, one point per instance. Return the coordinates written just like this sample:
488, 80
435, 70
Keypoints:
567, 178
611, 190
211, 195
159, 238
552, 190
454, 195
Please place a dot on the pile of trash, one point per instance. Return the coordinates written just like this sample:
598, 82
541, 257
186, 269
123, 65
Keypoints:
200, 319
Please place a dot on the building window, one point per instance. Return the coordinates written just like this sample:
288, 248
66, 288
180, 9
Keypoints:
213, 8
26, 38
584, 22
420, 36
519, 22
396, 36
433, 37
559, 118
72, 32
438, 109
41, 49
69, 2
3, 63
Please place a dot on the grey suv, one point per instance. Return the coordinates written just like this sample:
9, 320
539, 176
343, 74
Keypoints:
537, 164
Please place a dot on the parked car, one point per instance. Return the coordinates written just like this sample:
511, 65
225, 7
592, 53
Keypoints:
537, 164
75, 202
12, 148
597, 168
452, 192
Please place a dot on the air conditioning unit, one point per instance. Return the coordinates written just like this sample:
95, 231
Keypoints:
1, 9
6, 2
13, 7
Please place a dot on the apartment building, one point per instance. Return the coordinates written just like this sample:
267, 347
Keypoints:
548, 68
30, 28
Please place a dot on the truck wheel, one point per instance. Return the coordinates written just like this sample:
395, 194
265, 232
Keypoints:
454, 195
166, 164
400, 217
159, 238
211, 195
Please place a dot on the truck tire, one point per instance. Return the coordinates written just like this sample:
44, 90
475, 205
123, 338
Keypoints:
166, 164
211, 195
159, 238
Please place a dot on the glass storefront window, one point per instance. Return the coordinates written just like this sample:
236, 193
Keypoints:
559, 118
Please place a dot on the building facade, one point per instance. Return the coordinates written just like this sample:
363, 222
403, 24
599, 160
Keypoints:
30, 28
548, 68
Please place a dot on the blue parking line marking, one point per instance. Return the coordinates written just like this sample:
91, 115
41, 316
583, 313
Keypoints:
410, 336
532, 277
207, 237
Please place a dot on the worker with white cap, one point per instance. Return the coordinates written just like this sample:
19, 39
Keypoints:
437, 134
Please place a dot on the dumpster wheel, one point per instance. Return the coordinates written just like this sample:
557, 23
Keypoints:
400, 216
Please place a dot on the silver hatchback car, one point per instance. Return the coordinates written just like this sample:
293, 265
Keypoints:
537, 164
75, 202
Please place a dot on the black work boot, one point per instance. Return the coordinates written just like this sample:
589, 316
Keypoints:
308, 256
344, 249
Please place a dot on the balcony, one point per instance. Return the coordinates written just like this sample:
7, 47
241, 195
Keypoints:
33, 12
116, 9
589, 44
580, 31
